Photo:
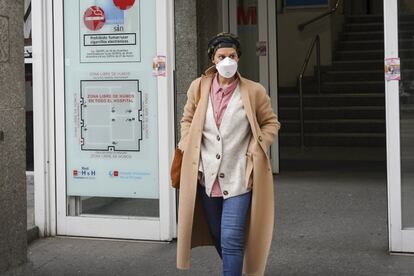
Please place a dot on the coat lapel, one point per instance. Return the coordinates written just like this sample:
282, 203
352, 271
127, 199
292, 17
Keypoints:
248, 109
205, 86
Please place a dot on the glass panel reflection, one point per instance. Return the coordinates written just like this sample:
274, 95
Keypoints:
406, 46
113, 206
248, 32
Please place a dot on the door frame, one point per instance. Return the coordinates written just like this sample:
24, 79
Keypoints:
400, 239
43, 118
50, 184
267, 12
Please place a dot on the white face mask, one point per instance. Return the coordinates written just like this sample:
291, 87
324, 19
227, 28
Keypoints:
227, 67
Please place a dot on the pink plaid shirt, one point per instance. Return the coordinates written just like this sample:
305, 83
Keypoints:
220, 98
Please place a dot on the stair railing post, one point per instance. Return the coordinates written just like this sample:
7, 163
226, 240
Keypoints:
302, 131
318, 62
315, 41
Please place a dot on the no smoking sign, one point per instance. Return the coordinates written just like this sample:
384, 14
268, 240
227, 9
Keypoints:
94, 18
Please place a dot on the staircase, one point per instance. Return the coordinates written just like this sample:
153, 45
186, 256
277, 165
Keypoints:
350, 111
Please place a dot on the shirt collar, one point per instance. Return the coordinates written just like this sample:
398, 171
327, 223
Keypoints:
227, 88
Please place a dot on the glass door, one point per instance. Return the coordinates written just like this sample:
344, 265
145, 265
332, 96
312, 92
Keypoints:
254, 21
399, 43
114, 110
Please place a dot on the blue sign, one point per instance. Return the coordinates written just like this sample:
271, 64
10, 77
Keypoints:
306, 3
113, 15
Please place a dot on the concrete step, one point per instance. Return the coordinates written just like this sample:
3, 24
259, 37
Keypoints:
363, 64
377, 35
350, 87
334, 139
364, 19
333, 112
370, 54
371, 44
311, 158
363, 27
407, 100
360, 45
334, 99
374, 75
368, 18
310, 86
376, 26
335, 126
341, 65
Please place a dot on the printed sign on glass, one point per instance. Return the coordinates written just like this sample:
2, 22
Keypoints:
111, 99
110, 31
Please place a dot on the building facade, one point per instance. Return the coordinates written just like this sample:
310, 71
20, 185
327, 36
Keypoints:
109, 85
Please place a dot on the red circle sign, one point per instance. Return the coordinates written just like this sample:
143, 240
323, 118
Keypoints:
94, 18
124, 4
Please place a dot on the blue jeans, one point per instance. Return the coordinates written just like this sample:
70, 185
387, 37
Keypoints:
226, 219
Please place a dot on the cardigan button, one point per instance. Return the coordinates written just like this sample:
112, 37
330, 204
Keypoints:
225, 193
218, 137
222, 175
260, 138
218, 156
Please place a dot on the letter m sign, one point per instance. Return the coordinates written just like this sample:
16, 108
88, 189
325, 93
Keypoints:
247, 17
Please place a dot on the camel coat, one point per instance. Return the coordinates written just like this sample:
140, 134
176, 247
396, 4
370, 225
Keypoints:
192, 225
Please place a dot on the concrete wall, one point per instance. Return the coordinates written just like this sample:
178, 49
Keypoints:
293, 44
13, 229
186, 53
208, 25
407, 6
363, 6
337, 24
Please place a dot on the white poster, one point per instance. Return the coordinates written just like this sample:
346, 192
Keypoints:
111, 100
109, 31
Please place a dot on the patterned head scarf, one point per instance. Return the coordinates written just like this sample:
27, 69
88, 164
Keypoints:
223, 40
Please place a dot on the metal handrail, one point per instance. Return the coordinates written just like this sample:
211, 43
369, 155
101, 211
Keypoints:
302, 26
316, 41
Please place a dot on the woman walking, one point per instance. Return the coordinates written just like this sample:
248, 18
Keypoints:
226, 194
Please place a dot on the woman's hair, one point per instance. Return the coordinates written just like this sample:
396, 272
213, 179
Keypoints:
223, 40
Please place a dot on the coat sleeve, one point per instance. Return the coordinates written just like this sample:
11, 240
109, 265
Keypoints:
188, 113
267, 119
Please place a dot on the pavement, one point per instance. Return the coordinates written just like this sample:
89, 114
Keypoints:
327, 223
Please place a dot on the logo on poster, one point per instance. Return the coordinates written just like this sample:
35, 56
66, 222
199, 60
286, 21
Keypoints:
94, 18
84, 172
124, 4
113, 173
128, 174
